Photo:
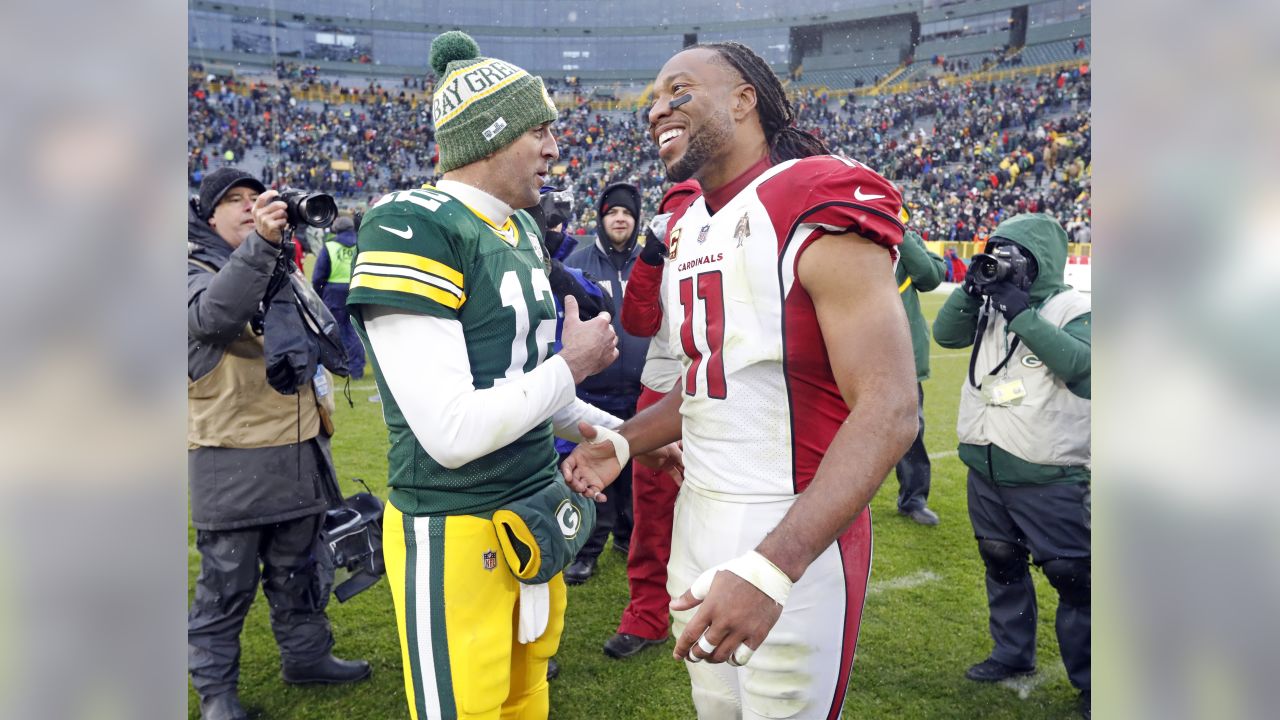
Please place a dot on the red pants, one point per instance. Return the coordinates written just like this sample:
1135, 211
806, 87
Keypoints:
653, 497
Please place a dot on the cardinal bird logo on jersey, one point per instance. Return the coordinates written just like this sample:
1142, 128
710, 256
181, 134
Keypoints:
743, 230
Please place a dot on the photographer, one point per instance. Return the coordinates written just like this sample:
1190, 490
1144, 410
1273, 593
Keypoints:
1025, 436
258, 478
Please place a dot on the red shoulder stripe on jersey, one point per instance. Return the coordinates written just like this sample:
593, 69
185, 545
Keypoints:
834, 191
832, 208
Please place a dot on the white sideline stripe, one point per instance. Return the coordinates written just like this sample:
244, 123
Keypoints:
1027, 684
943, 454
906, 582
422, 618
949, 355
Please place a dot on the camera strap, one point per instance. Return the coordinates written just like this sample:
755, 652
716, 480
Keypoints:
984, 318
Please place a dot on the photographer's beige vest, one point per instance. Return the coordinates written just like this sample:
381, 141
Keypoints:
234, 407
1051, 426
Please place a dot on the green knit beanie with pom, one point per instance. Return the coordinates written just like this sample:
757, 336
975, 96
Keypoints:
481, 104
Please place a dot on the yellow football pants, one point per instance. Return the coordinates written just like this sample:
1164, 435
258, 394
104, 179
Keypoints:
457, 611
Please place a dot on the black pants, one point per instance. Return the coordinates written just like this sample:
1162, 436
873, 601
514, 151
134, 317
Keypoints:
297, 590
1051, 522
913, 469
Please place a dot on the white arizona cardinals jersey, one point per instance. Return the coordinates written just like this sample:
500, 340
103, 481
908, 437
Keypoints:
760, 404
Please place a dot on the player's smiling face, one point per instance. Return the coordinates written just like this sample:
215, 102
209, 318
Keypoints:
699, 128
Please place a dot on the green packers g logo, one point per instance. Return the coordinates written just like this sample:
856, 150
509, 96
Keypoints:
569, 518
1031, 361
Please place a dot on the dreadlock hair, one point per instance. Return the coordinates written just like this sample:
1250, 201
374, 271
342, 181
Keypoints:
786, 141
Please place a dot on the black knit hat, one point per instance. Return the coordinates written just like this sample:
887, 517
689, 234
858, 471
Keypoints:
624, 194
217, 183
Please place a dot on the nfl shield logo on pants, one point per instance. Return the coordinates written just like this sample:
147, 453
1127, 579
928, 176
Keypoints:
490, 560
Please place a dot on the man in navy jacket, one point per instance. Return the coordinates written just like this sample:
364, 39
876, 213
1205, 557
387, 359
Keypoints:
615, 389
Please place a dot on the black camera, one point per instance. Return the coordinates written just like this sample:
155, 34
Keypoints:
557, 206
315, 209
1003, 263
352, 536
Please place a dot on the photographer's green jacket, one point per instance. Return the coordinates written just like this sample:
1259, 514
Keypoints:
1061, 342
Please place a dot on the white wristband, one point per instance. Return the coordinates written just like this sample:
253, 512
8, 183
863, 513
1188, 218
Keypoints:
755, 569
759, 571
621, 448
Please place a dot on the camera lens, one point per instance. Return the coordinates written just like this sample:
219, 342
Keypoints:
319, 210
988, 271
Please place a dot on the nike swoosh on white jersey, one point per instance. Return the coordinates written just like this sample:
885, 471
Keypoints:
857, 195
405, 233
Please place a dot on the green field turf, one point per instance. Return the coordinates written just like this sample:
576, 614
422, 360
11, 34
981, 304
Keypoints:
925, 621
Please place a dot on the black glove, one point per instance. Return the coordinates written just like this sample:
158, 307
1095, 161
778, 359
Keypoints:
591, 301
654, 251
1009, 299
970, 288
552, 242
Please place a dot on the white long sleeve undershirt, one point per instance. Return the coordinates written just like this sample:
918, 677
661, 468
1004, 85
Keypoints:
423, 360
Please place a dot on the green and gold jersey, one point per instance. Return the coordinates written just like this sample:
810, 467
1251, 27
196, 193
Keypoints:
426, 251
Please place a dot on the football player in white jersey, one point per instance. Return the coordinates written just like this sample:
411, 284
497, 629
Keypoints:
797, 393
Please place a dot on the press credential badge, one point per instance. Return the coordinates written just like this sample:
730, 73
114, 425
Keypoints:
1003, 391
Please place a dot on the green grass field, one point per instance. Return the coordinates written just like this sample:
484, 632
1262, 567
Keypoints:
925, 621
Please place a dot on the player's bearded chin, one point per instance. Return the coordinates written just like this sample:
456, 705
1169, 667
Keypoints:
703, 145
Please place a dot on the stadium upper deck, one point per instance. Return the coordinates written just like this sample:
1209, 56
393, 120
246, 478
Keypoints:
622, 41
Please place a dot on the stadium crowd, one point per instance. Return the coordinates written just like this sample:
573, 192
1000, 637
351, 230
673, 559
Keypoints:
385, 141
966, 156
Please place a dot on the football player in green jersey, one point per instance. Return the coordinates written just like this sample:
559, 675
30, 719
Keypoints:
450, 293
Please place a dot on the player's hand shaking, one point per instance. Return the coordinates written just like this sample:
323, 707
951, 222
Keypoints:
601, 455
592, 465
589, 346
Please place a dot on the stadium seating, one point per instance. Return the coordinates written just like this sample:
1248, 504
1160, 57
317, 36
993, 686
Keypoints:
1054, 52
847, 78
